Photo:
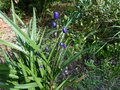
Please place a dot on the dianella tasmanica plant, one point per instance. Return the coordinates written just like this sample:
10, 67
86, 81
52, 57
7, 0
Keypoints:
27, 66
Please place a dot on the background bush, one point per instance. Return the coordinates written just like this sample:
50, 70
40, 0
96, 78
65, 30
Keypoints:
4, 5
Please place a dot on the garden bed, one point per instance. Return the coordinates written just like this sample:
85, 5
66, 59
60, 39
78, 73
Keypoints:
70, 45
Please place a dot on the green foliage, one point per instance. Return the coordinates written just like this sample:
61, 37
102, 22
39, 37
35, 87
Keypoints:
28, 65
23, 7
100, 18
40, 5
4, 4
91, 60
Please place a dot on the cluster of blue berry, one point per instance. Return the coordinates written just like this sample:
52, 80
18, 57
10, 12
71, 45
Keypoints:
54, 25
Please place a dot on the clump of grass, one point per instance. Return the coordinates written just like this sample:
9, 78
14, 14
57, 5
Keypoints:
29, 65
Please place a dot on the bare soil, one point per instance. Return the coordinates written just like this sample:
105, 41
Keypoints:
7, 34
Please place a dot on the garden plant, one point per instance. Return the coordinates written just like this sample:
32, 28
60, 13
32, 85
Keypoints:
78, 50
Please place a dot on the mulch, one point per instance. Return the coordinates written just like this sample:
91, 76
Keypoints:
7, 34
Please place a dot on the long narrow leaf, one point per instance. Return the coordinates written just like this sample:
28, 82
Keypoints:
19, 86
22, 35
13, 13
73, 58
20, 20
33, 36
14, 27
36, 80
62, 84
12, 46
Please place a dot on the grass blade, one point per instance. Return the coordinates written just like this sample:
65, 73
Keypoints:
12, 46
19, 86
22, 35
73, 58
33, 36
13, 13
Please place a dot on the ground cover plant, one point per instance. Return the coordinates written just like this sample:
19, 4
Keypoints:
78, 50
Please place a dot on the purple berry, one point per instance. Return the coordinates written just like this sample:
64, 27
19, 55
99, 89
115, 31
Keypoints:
61, 44
54, 24
64, 30
56, 15
47, 49
64, 46
41, 66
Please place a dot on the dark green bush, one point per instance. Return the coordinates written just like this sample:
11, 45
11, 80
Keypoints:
4, 5
26, 6
97, 26
40, 5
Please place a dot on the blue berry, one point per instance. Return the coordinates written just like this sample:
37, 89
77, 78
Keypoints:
56, 15
64, 30
54, 24
61, 44
47, 49
64, 46
41, 66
